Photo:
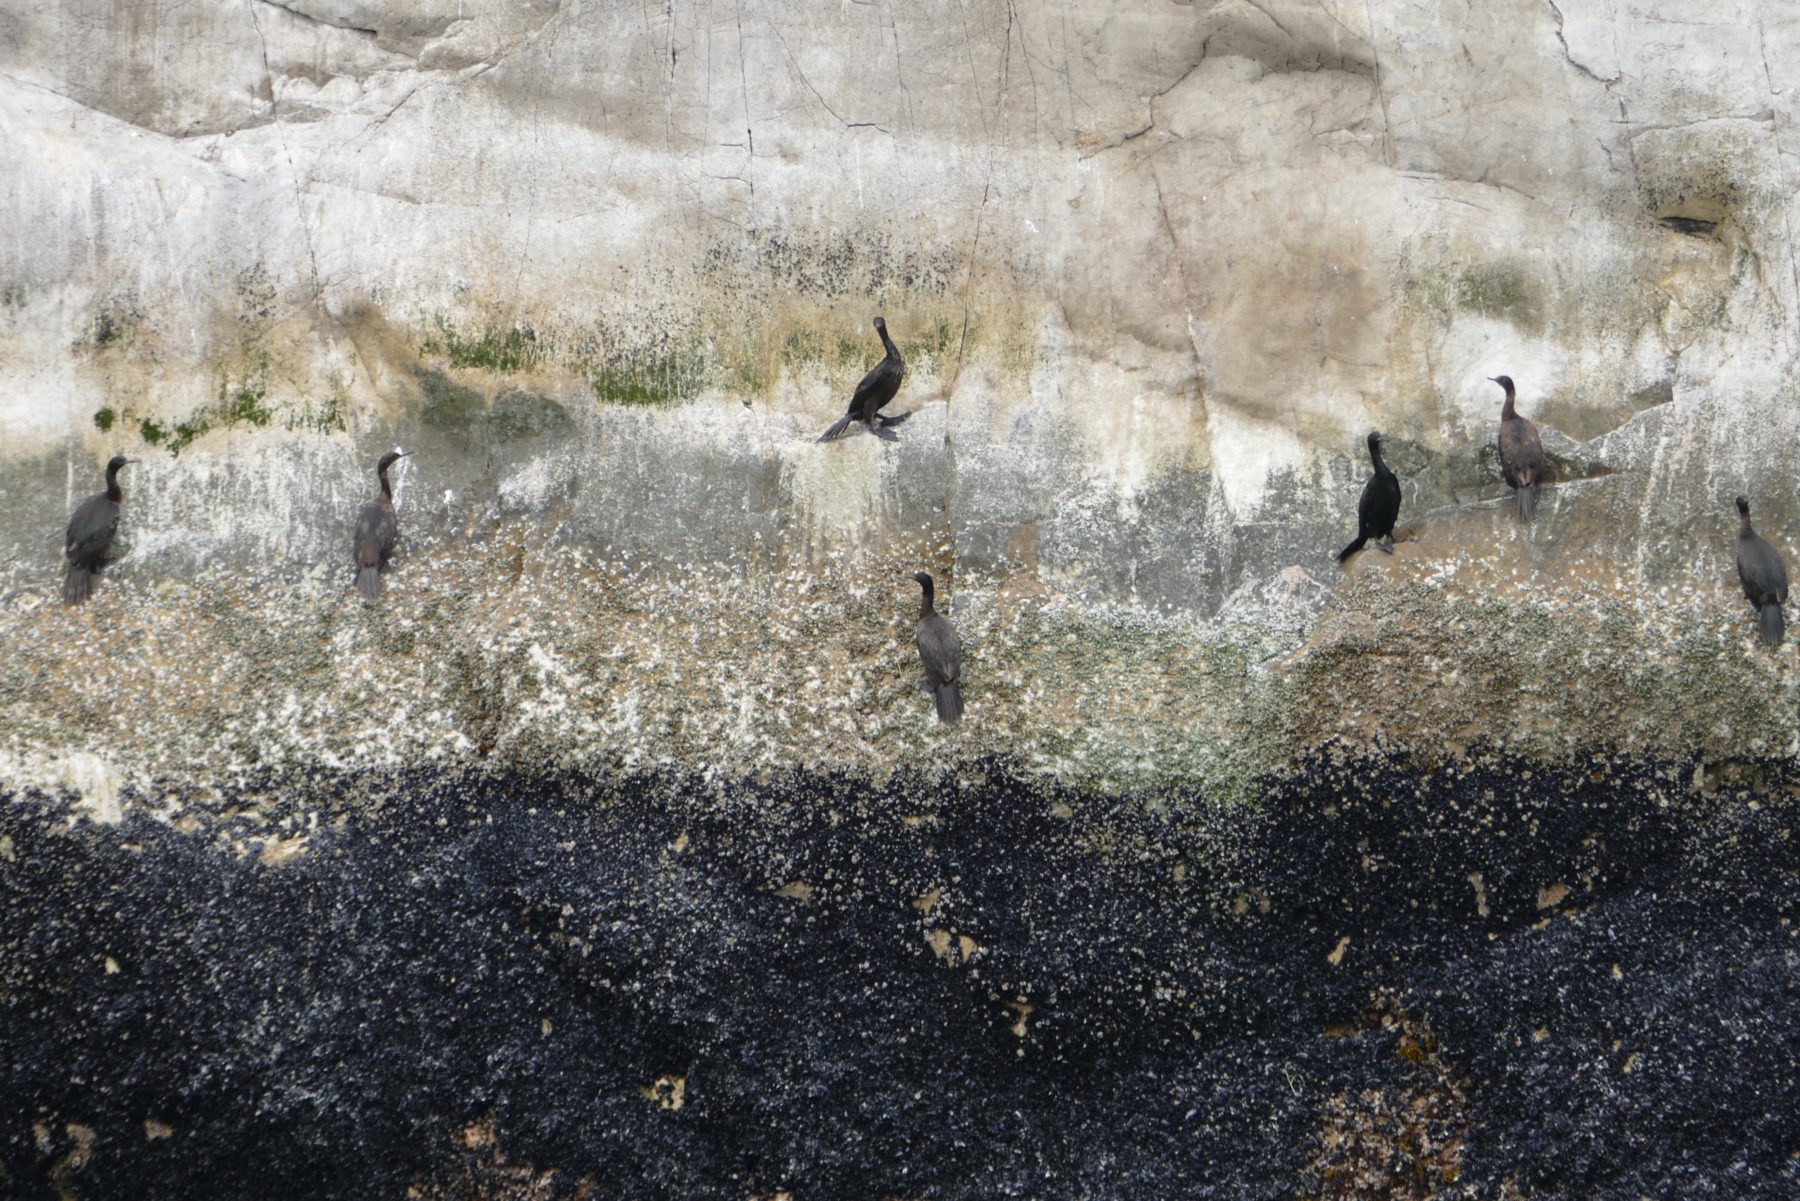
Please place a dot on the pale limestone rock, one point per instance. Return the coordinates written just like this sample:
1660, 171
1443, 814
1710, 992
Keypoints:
1156, 270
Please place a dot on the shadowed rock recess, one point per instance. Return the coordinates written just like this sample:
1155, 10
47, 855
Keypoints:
617, 851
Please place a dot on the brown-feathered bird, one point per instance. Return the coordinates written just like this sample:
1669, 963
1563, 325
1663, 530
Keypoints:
376, 531
940, 650
1763, 576
90, 535
876, 390
1521, 455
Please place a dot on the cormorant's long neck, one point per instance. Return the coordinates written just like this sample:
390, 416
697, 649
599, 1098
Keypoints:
387, 493
113, 492
893, 351
1507, 412
925, 606
1381, 468
1744, 529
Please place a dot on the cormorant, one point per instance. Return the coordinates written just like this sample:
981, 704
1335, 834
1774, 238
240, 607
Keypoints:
90, 535
940, 650
376, 530
1521, 455
1379, 505
876, 390
1764, 578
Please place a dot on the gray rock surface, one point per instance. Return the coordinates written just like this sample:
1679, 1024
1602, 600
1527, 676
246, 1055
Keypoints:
619, 843
1156, 273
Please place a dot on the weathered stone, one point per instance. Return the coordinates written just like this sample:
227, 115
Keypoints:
1455, 872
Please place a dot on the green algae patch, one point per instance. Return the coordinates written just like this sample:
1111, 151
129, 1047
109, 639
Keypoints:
619, 364
245, 395
505, 350
244, 402
320, 416
840, 352
651, 380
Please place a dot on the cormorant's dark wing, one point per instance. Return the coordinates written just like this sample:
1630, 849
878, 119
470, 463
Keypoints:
940, 650
1381, 505
1521, 454
1366, 506
876, 389
375, 531
91, 529
1761, 572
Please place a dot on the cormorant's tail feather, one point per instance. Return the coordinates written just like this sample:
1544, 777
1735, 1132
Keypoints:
1771, 624
78, 585
949, 704
895, 420
884, 433
1353, 547
838, 429
368, 583
1527, 497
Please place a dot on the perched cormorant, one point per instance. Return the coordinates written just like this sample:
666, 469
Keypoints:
1764, 578
1521, 455
90, 535
940, 650
876, 390
1379, 505
376, 530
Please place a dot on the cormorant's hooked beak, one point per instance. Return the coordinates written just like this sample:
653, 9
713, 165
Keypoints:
401, 454
1493, 379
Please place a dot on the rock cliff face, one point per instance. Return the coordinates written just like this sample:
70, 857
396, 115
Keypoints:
1155, 274
1156, 270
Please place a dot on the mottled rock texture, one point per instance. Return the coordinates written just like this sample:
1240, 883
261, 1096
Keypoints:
1156, 271
1491, 980
618, 843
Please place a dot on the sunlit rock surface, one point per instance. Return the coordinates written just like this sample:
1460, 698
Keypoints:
608, 270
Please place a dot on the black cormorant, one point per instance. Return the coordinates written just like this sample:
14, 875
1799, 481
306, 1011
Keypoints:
376, 530
90, 535
1521, 455
1764, 578
940, 650
876, 390
1379, 506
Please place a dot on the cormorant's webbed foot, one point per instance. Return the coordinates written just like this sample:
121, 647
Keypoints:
1386, 545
